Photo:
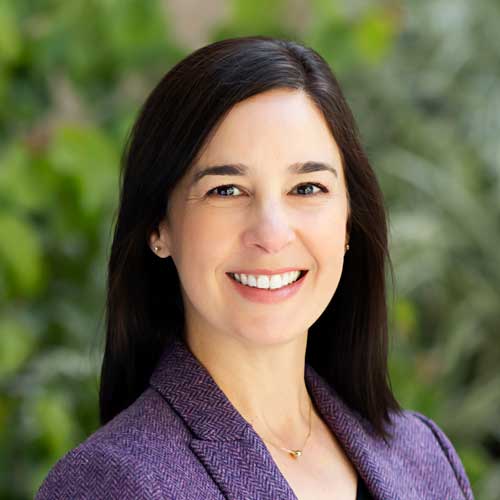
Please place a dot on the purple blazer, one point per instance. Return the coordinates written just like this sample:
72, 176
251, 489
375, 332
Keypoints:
183, 439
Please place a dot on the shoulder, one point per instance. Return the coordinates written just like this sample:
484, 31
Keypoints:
122, 459
419, 440
96, 471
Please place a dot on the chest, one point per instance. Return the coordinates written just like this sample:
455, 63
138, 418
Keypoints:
322, 472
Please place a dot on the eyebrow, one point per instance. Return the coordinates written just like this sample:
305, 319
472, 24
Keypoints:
240, 169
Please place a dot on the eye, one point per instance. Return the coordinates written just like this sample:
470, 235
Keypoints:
232, 187
225, 188
317, 186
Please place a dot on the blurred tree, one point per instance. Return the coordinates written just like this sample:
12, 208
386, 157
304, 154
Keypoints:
420, 77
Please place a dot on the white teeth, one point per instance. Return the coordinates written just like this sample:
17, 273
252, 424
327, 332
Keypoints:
267, 282
263, 282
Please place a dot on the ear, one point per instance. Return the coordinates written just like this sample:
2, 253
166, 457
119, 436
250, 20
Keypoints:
159, 240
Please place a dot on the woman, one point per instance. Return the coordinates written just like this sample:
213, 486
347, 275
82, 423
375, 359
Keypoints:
246, 350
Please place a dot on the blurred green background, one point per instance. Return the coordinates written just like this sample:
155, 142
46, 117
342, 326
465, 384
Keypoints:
422, 78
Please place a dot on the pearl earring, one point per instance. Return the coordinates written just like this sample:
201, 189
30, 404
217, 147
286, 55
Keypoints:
347, 247
156, 248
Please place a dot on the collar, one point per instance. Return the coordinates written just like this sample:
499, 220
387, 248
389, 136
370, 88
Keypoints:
235, 455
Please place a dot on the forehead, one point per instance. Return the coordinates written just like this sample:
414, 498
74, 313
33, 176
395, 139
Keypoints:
281, 126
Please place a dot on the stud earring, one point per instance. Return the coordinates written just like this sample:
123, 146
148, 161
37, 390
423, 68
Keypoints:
156, 248
347, 247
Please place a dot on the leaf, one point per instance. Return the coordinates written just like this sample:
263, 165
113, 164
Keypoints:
86, 156
55, 422
16, 345
21, 256
10, 38
374, 34
21, 184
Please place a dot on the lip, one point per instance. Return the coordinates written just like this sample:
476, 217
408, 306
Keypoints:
268, 272
266, 296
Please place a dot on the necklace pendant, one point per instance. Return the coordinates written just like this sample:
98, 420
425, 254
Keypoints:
295, 454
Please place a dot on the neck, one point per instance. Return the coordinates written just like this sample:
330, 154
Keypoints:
265, 383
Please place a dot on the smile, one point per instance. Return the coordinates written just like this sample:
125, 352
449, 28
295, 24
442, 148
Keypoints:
263, 292
268, 282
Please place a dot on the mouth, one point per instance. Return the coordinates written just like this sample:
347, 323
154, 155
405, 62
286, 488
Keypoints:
269, 295
302, 273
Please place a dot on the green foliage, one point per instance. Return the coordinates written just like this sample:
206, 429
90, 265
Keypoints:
422, 80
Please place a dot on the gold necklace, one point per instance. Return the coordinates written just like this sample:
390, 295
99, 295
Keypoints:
296, 453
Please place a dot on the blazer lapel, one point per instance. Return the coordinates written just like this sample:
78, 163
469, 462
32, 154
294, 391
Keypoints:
370, 455
243, 469
224, 442
233, 453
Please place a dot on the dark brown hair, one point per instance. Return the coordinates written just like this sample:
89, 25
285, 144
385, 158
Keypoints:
348, 344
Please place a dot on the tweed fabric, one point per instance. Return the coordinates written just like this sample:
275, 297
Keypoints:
183, 439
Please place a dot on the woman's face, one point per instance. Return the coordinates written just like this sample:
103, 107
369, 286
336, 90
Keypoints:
269, 218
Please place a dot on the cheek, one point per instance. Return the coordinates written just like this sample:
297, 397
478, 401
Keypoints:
200, 244
203, 241
327, 236
328, 232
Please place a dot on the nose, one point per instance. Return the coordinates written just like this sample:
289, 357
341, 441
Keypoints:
269, 228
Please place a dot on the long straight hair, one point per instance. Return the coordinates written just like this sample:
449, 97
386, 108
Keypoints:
348, 344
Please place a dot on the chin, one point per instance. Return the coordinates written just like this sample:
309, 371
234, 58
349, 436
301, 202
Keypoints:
268, 335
